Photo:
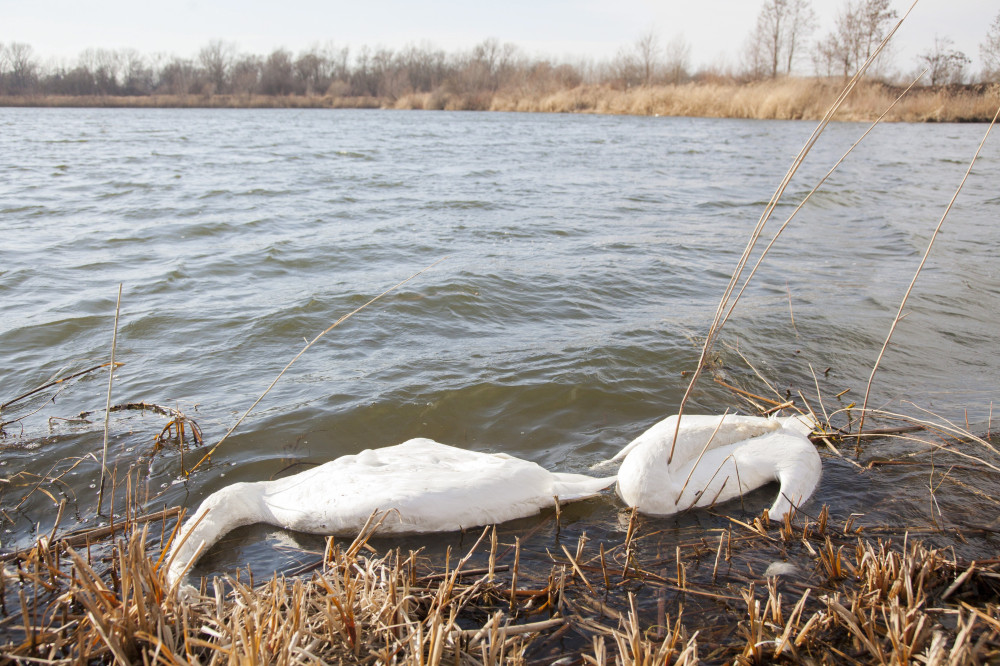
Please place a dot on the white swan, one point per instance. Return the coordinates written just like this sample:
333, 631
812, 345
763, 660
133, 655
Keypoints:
425, 486
743, 453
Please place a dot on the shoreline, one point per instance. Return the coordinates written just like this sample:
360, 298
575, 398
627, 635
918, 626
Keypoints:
801, 589
778, 99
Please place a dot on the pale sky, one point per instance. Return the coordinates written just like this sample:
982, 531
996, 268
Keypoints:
560, 29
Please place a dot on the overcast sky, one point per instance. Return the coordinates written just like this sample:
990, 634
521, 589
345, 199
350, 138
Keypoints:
561, 29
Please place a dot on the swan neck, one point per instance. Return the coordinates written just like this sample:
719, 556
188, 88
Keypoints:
797, 485
229, 508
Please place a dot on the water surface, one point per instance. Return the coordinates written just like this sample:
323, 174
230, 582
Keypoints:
585, 258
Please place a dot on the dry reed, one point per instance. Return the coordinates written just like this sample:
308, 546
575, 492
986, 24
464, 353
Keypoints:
840, 598
788, 98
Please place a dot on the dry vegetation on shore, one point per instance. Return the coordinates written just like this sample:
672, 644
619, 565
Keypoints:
776, 99
846, 595
772, 99
807, 589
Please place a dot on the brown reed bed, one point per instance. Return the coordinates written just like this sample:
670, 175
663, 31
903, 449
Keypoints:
772, 99
800, 591
787, 98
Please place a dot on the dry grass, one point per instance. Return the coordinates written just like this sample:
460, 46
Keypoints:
850, 599
780, 99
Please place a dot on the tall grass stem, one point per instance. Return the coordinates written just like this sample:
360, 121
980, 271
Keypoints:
304, 349
107, 407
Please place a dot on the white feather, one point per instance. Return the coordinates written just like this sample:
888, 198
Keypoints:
425, 486
718, 458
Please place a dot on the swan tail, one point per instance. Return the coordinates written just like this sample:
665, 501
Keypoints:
604, 464
572, 487
618, 457
800, 423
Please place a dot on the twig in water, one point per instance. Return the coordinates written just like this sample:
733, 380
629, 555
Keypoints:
791, 315
32, 413
819, 395
107, 409
50, 384
778, 408
700, 456
746, 394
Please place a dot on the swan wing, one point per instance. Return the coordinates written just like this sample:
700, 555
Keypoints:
697, 429
784, 455
426, 487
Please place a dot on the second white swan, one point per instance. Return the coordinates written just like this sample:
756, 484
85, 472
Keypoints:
718, 458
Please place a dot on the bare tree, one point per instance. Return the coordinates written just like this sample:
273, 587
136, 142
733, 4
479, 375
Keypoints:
944, 64
639, 63
989, 50
769, 34
861, 26
105, 66
277, 74
245, 75
338, 61
647, 51
425, 68
624, 69
875, 19
826, 56
312, 72
493, 62
781, 27
800, 24
137, 76
677, 59
22, 70
384, 74
178, 77
363, 79
216, 59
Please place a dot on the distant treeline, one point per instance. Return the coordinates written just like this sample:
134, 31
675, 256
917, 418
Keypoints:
382, 73
647, 76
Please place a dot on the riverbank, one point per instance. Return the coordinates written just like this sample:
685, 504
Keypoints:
802, 590
778, 99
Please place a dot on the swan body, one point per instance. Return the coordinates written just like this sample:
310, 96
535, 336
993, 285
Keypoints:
743, 453
424, 486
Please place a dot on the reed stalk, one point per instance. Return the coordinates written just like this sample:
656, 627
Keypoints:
107, 408
721, 314
303, 351
923, 260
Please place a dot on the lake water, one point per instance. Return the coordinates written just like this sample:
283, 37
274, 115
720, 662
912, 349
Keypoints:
584, 259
